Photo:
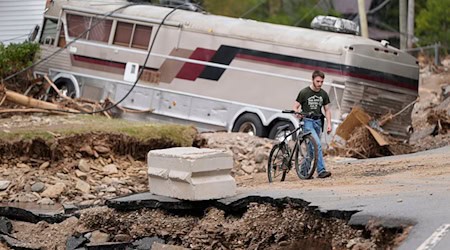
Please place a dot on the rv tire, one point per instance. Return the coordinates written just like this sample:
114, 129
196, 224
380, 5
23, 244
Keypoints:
275, 134
66, 86
249, 123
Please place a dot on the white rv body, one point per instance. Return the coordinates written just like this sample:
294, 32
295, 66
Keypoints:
221, 73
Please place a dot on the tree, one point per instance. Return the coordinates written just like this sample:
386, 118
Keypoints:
287, 12
433, 23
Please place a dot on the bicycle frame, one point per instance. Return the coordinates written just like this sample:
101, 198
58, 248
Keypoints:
298, 141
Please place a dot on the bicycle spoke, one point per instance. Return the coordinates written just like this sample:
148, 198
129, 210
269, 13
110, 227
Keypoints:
307, 157
276, 169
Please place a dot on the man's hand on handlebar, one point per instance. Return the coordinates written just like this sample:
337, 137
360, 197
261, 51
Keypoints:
298, 115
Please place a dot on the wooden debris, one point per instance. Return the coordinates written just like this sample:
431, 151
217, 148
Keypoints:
34, 103
364, 141
440, 116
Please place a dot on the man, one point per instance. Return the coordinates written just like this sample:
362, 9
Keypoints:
311, 100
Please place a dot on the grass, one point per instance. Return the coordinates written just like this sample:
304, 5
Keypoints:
79, 124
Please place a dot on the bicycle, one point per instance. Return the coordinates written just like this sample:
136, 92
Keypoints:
304, 152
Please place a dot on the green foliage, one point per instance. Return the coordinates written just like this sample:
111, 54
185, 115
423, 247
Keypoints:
232, 8
287, 12
15, 57
433, 23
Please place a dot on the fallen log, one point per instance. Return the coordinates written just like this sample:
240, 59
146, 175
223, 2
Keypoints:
30, 110
27, 101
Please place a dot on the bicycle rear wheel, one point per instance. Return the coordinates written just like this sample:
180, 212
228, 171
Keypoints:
277, 166
306, 157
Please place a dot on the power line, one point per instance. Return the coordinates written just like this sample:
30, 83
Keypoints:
14, 38
70, 43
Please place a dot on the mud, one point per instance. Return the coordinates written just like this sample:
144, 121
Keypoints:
280, 225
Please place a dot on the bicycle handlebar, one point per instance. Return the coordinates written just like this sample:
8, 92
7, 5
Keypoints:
296, 113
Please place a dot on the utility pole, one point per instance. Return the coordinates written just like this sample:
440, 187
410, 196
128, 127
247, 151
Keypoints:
363, 18
402, 23
410, 23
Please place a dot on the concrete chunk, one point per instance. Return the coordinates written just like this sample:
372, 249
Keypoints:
189, 173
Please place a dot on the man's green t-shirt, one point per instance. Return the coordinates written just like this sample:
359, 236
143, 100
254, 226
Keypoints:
312, 101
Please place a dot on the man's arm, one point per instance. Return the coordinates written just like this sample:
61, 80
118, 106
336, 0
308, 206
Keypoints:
297, 108
328, 116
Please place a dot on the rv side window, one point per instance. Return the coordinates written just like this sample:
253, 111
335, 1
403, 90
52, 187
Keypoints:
49, 31
100, 32
123, 34
141, 37
132, 35
77, 25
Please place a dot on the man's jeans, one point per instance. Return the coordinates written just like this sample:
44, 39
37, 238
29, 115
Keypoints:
315, 126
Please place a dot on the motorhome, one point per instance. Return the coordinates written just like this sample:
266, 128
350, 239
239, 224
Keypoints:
216, 72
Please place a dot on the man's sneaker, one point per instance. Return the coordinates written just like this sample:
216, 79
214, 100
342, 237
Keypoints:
324, 174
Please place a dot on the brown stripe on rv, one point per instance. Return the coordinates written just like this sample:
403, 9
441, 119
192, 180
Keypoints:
170, 68
148, 75
190, 71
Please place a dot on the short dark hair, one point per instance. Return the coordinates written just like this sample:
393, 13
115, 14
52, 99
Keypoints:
317, 73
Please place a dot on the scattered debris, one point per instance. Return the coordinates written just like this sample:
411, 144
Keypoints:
440, 117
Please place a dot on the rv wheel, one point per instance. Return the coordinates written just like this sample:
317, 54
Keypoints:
277, 134
65, 87
249, 123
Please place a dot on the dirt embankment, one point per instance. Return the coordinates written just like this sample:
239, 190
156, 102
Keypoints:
88, 169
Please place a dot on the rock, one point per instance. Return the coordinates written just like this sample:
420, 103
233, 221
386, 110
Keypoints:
80, 174
17, 244
38, 187
4, 185
44, 165
283, 243
45, 201
27, 197
5, 225
352, 242
248, 169
110, 169
102, 149
24, 158
122, 238
54, 191
86, 203
99, 237
83, 186
22, 165
159, 246
62, 176
260, 154
84, 166
73, 242
364, 245
87, 149
146, 243
110, 190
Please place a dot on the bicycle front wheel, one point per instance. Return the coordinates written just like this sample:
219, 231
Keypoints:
306, 157
278, 159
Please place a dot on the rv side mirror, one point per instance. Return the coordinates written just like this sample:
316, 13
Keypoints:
131, 72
